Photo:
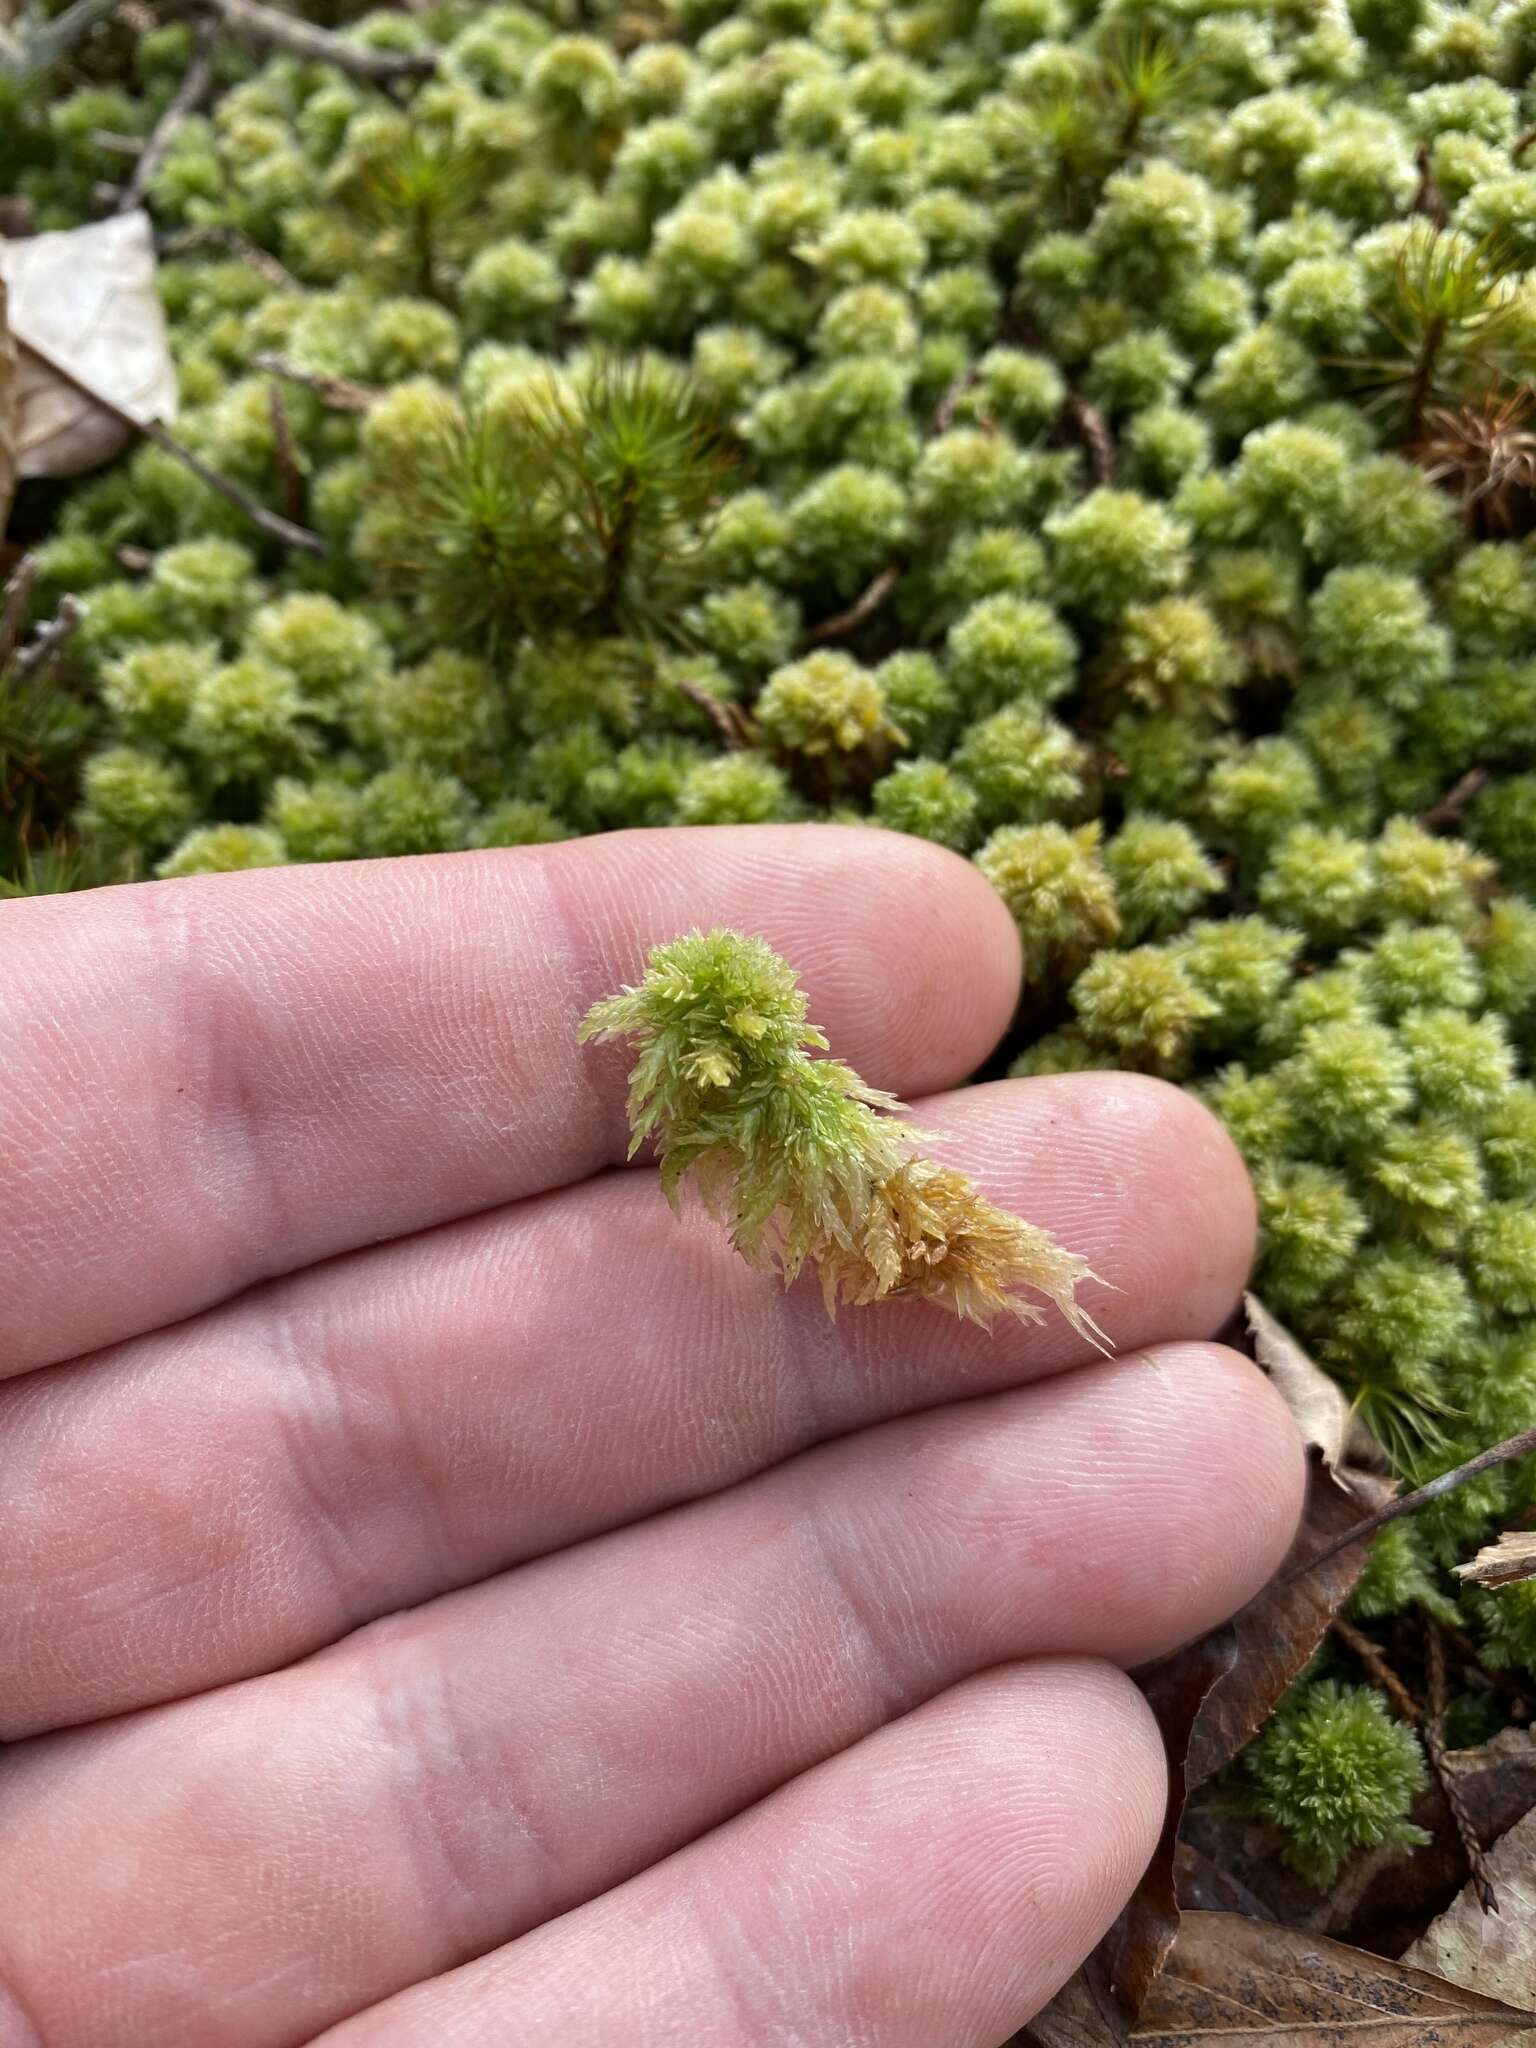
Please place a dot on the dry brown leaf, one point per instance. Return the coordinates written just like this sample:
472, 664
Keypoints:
8, 414
87, 298
1234, 1979
1213, 1696
1279, 1630
1319, 1406
1505, 1562
1083, 2014
1494, 1954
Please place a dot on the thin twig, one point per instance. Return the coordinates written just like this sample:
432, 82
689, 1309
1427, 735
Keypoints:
1451, 807
728, 719
304, 39
1434, 1744
189, 96
18, 595
340, 393
43, 44
287, 459
1506, 1453
280, 529
949, 404
262, 261
1360, 1645
1091, 428
45, 649
864, 606
1427, 199
880, 587
1522, 143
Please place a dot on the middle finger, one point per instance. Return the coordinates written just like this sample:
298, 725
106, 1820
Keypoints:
407, 1419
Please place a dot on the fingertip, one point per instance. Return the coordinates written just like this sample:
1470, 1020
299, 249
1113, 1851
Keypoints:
919, 950
908, 957
1131, 1172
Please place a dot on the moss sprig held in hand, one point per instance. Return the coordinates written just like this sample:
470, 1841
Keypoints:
802, 1159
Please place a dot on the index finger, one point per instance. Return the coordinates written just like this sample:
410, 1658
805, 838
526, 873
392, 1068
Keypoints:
216, 1080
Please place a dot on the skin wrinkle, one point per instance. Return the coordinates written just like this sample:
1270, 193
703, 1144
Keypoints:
309, 1430
964, 1774
417, 1717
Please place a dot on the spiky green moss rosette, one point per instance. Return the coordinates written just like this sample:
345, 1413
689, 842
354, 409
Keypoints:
1097, 438
805, 1162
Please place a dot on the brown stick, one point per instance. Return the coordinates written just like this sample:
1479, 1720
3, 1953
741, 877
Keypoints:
262, 261
338, 392
1360, 1645
949, 404
1089, 424
303, 39
1522, 143
864, 606
287, 459
1427, 199
18, 594
876, 592
280, 529
1451, 807
1434, 1744
729, 720
1506, 1453
188, 97
46, 648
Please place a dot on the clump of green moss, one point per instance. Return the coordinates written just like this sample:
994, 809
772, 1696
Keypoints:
799, 1157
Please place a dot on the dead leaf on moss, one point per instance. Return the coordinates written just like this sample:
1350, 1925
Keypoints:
1231, 1979
87, 298
1177, 1691
1494, 1954
1212, 1697
1279, 1630
1319, 1406
1504, 1562
8, 414
1083, 2014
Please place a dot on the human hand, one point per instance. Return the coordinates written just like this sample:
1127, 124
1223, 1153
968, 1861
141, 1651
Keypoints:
447, 1600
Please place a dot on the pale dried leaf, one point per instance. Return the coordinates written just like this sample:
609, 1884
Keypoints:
1233, 1979
1319, 1406
86, 297
8, 413
1083, 2014
1494, 1954
1505, 1562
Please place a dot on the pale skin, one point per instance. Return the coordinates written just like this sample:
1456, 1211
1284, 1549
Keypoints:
447, 1601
